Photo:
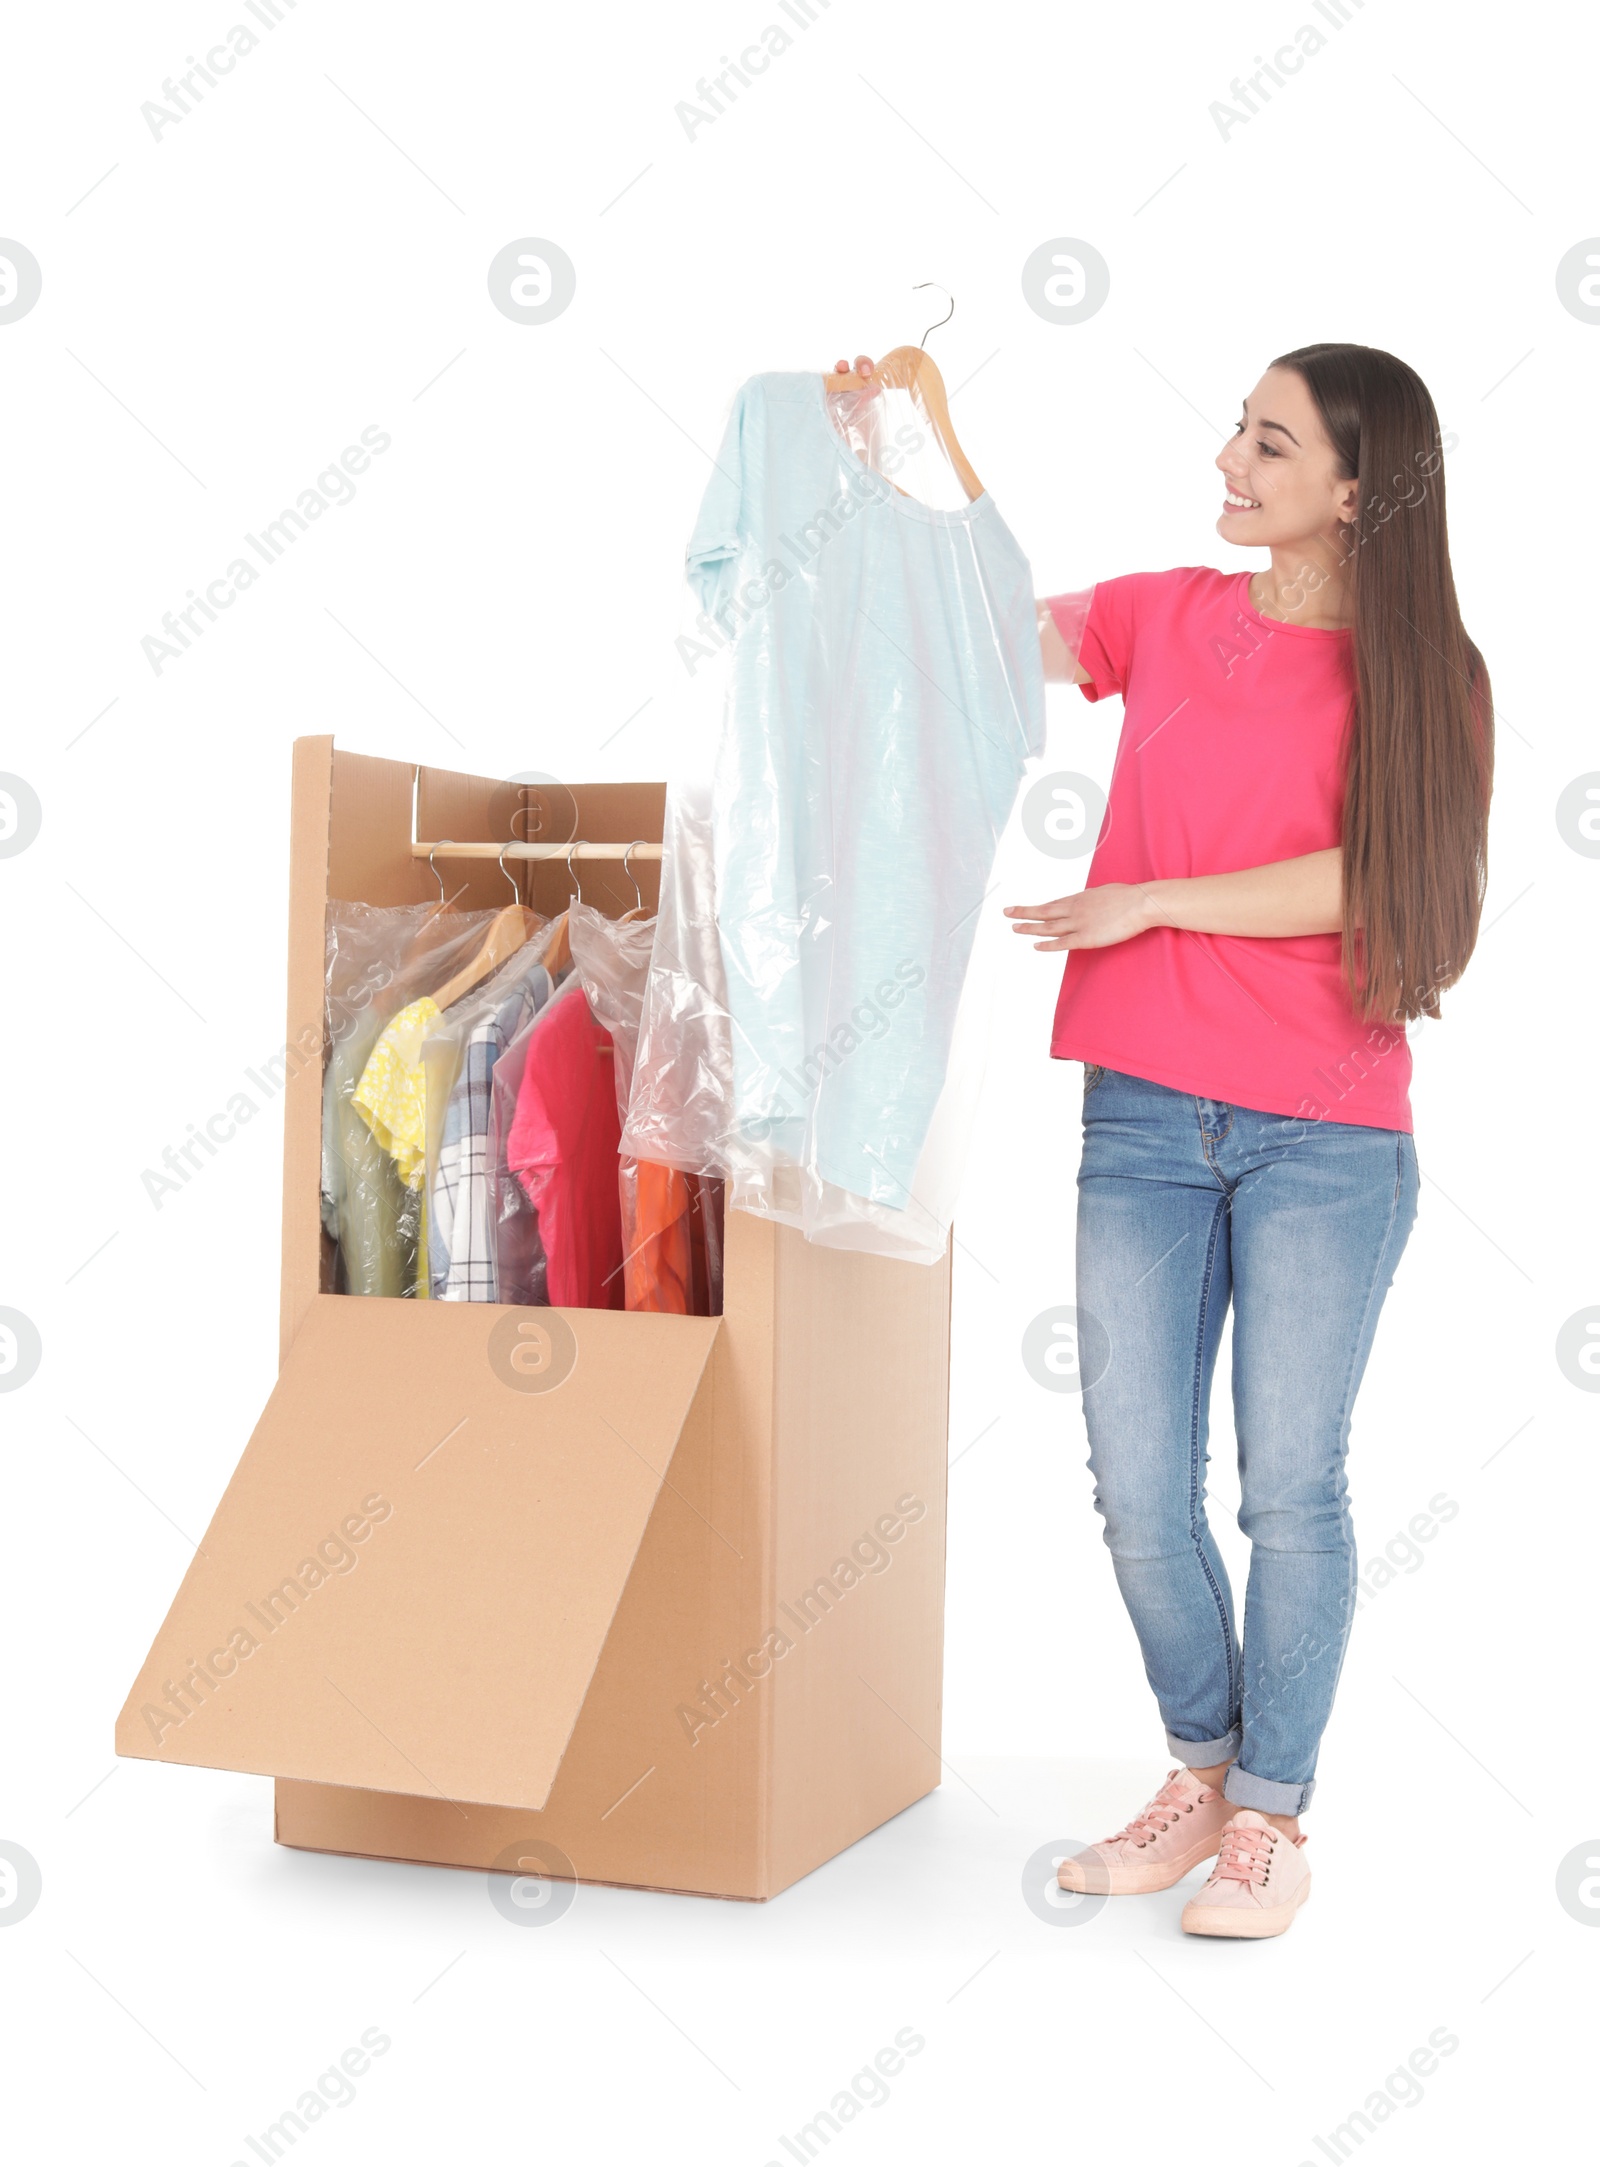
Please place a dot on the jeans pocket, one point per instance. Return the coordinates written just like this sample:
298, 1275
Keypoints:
1092, 1074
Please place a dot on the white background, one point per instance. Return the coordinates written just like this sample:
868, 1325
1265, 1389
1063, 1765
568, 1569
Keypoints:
305, 255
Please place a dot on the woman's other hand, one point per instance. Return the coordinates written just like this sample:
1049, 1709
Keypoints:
1098, 918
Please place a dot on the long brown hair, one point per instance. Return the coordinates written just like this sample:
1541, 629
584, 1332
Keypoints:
1420, 749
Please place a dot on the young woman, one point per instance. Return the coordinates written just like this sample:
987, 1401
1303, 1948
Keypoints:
1291, 865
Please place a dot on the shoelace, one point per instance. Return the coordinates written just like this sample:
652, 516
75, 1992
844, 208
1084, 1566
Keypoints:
1245, 1854
1162, 1811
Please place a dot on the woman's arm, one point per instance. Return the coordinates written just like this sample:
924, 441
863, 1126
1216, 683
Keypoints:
1269, 902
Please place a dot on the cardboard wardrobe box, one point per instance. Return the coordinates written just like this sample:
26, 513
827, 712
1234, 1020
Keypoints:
602, 1595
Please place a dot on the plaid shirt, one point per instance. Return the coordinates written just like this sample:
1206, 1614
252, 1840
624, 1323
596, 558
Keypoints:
461, 1248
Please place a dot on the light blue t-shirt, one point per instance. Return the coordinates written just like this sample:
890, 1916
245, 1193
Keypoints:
886, 690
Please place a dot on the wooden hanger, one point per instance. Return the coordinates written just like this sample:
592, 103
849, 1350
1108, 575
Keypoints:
908, 368
508, 931
558, 951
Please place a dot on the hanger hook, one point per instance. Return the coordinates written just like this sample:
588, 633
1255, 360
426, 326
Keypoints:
434, 870
515, 890
945, 318
630, 874
577, 884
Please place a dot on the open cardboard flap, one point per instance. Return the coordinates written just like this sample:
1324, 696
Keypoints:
408, 1582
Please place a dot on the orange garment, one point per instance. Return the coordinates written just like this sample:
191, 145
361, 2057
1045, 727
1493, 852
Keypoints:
671, 1241
658, 1268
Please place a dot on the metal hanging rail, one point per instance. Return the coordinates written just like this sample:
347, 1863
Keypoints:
492, 851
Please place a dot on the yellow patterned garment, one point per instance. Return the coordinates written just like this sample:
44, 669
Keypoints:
392, 1095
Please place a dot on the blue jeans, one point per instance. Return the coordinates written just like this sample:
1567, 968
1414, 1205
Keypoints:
1183, 1204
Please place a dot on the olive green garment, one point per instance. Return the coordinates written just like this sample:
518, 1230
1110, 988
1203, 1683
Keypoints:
365, 1206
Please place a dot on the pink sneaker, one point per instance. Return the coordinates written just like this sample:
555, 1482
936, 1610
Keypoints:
1260, 1881
1182, 1825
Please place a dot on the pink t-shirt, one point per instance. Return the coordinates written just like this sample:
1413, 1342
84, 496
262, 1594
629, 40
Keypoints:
1231, 755
562, 1147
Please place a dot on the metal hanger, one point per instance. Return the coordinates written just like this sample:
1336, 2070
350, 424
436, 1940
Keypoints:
945, 318
436, 910
638, 909
558, 952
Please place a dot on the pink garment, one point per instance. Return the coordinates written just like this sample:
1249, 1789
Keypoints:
1231, 755
562, 1147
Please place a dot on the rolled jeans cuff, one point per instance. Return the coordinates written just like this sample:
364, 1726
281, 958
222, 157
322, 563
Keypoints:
1243, 1789
1207, 1752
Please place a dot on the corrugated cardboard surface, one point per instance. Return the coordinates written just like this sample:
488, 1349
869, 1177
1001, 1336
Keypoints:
542, 1630
823, 1407
445, 1649
861, 1384
656, 1788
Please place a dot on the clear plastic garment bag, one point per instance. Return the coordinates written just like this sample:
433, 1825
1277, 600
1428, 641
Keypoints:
671, 1220
861, 686
380, 967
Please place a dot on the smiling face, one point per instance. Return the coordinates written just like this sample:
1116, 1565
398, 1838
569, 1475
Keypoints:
1284, 488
